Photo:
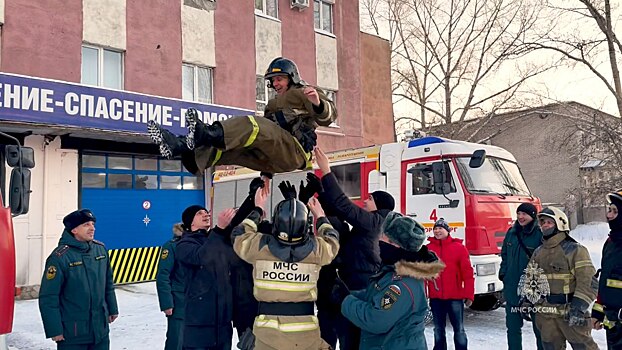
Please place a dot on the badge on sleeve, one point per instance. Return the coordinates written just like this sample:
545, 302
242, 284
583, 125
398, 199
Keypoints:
388, 299
51, 272
164, 254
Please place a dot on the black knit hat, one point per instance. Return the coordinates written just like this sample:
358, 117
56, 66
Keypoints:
404, 231
528, 209
383, 200
188, 215
442, 223
77, 218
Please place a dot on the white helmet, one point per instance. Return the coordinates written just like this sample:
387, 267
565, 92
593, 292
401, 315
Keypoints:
561, 220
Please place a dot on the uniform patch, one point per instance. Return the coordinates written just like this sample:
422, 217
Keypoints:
100, 257
395, 289
75, 263
388, 299
164, 254
51, 272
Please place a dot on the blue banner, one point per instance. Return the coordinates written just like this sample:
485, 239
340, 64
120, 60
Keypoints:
28, 99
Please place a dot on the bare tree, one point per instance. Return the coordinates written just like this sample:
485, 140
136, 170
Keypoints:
588, 39
447, 54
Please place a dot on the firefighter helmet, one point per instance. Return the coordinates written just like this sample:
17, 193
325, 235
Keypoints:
283, 66
615, 198
289, 222
561, 220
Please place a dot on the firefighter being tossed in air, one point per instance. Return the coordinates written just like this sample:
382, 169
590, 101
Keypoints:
286, 266
279, 142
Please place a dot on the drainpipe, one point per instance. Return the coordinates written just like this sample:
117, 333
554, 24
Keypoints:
44, 217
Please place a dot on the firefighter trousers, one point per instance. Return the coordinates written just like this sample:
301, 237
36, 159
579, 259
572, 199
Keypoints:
288, 333
555, 331
256, 143
614, 337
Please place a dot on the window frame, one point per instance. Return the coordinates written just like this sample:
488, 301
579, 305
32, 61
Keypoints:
269, 93
195, 81
320, 28
264, 10
332, 95
100, 65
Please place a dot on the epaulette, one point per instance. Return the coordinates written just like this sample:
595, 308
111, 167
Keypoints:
60, 251
98, 242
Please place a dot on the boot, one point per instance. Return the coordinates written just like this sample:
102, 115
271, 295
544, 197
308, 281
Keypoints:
170, 145
200, 134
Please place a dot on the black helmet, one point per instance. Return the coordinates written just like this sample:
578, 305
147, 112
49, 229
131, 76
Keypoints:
283, 66
289, 222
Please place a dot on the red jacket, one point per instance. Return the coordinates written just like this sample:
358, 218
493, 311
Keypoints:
456, 281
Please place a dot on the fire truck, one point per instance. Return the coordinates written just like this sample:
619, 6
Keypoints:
21, 159
476, 188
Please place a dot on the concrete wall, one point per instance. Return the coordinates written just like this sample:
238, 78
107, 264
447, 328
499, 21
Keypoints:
326, 62
299, 39
267, 42
43, 38
197, 32
104, 23
1, 11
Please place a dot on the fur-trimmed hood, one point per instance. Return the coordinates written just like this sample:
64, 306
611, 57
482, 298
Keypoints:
178, 229
419, 269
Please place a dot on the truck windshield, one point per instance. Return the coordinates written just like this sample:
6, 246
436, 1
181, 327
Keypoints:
494, 176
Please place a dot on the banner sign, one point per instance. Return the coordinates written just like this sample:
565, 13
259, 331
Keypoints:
28, 99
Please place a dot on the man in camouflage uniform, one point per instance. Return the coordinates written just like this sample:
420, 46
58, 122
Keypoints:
286, 267
77, 299
170, 284
281, 141
607, 310
562, 313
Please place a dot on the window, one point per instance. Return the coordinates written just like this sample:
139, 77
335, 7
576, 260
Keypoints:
423, 179
102, 67
496, 176
267, 7
196, 83
349, 178
263, 93
323, 15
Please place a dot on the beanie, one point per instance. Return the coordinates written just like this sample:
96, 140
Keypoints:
404, 231
442, 223
77, 218
528, 209
188, 215
383, 200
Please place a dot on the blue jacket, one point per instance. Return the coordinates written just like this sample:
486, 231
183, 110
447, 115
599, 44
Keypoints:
391, 312
171, 278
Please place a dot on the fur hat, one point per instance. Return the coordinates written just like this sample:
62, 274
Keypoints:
528, 209
383, 200
188, 215
442, 223
404, 231
77, 218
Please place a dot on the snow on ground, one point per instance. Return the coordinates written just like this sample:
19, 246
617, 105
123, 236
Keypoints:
142, 326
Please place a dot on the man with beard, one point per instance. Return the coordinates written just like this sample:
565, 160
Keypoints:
607, 310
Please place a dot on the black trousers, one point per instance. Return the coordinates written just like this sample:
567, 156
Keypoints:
614, 337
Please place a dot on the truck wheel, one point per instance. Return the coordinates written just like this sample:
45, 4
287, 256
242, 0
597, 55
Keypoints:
486, 302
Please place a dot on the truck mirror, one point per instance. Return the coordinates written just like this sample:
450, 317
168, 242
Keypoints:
19, 195
477, 158
13, 154
438, 173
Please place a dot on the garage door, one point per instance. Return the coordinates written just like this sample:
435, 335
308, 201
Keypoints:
136, 200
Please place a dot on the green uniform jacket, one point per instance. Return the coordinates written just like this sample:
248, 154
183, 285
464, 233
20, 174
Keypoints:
77, 294
514, 259
171, 280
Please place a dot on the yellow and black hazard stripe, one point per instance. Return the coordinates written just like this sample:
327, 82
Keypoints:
134, 264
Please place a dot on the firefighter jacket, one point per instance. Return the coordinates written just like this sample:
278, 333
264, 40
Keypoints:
171, 278
609, 301
569, 272
514, 258
456, 281
298, 112
77, 292
391, 311
285, 274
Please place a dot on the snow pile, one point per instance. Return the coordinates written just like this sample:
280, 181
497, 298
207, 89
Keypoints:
592, 235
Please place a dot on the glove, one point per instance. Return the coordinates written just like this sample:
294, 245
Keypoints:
256, 184
314, 185
525, 306
576, 313
247, 340
340, 291
306, 136
287, 190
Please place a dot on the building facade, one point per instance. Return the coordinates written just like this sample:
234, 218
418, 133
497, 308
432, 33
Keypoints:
80, 79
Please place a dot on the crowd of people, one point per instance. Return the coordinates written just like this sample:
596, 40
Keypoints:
362, 277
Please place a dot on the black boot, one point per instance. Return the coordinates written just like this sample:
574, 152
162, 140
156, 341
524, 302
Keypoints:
170, 145
201, 134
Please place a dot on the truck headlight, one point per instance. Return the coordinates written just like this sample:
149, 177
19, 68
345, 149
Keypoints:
486, 269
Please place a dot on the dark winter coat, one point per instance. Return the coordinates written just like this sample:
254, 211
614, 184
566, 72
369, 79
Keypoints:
209, 303
391, 311
456, 281
77, 293
609, 300
171, 278
514, 259
359, 256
